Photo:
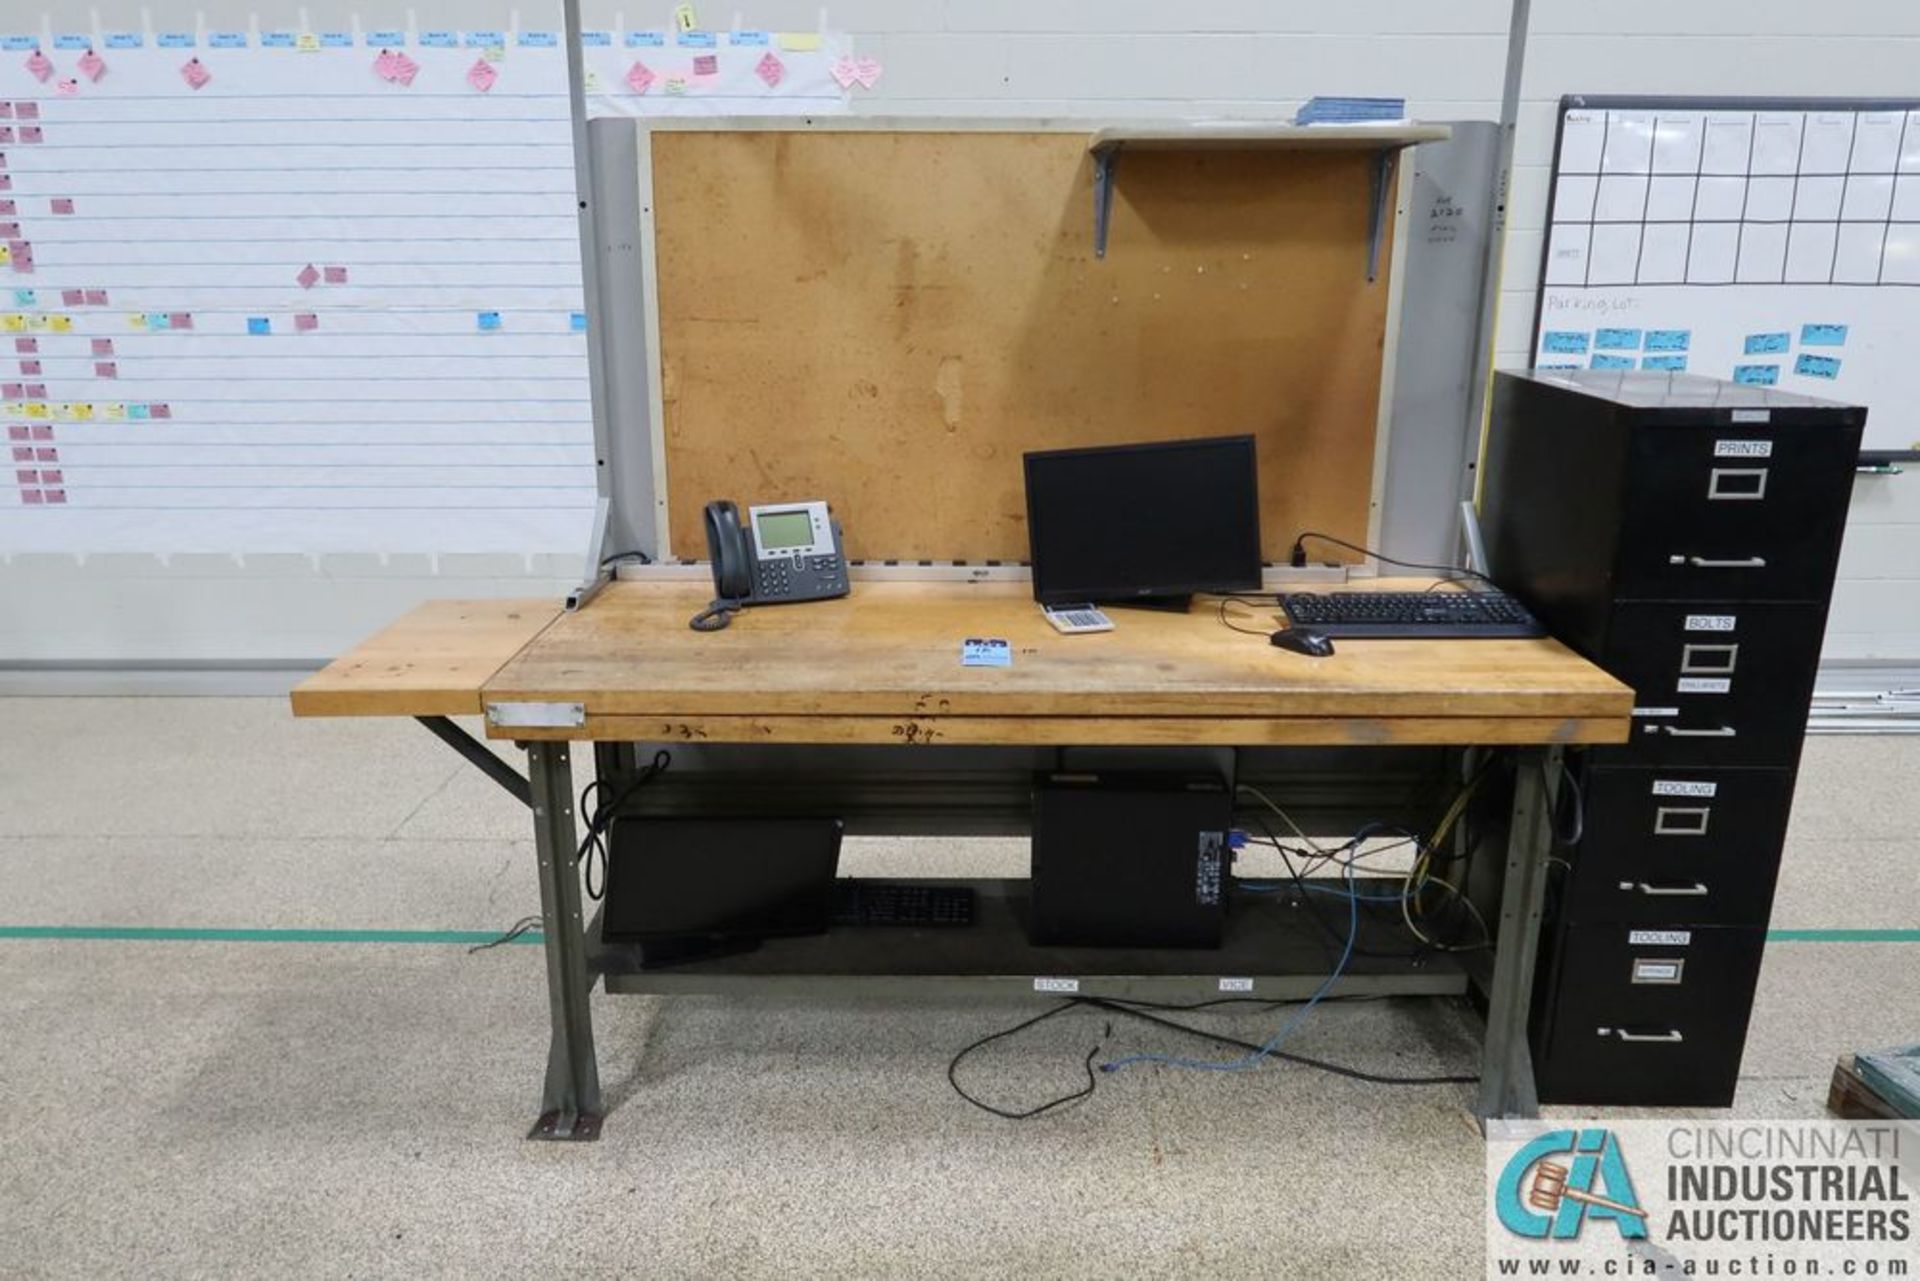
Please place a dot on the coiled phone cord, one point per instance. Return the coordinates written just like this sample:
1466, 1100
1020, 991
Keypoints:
718, 613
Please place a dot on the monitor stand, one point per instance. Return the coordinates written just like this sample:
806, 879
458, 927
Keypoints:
1171, 604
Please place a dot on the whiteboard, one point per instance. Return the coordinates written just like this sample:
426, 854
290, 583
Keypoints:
318, 292
1774, 242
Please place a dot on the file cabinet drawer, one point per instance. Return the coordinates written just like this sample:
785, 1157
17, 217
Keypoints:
1689, 846
1648, 1017
1735, 513
1715, 685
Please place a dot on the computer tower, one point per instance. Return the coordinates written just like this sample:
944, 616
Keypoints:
1683, 533
1129, 859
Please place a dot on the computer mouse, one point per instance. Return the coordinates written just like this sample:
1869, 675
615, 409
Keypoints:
1302, 640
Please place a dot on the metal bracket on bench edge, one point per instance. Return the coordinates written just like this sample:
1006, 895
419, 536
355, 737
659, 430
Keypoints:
479, 757
1104, 159
598, 574
536, 715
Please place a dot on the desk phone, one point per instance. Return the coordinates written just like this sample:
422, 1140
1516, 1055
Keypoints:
783, 554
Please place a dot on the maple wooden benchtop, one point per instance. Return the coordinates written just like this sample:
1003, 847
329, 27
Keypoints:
883, 666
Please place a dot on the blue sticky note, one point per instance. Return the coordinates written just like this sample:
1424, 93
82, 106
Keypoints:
646, 39
124, 40
174, 40
1817, 366
1669, 339
543, 40
1564, 342
259, 325
386, 39
748, 37
577, 322
1611, 362
16, 44
1767, 344
440, 39
1756, 375
696, 40
23, 297
227, 40
1672, 364
488, 321
336, 39
72, 42
1823, 335
485, 39
596, 39
276, 40
1616, 340
985, 653
136, 411
159, 320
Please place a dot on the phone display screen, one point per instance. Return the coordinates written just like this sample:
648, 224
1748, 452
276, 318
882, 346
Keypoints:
777, 530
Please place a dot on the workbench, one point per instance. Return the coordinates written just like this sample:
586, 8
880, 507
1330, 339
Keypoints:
860, 708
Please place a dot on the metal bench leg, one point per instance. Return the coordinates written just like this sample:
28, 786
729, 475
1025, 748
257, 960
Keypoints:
570, 1102
1506, 1072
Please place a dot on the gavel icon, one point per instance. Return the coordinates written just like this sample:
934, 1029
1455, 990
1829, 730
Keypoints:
1550, 1188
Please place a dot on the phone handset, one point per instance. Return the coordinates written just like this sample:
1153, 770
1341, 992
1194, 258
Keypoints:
782, 553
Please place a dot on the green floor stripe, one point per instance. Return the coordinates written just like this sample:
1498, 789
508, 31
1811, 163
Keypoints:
1843, 936
151, 933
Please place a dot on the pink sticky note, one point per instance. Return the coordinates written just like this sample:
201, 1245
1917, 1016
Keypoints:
27, 110
103, 346
26, 476
308, 277
866, 71
12, 391
42, 431
36, 391
771, 70
160, 411
96, 297
383, 65
194, 73
6, 182
66, 88
54, 477
105, 369
31, 497
62, 204
39, 66
92, 65
23, 453
9, 231
31, 133
404, 69
26, 344
16, 431
6, 133
706, 64
180, 320
73, 297
6, 110
57, 497
843, 73
481, 75
46, 455
336, 275
6, 207
306, 321
30, 367
640, 77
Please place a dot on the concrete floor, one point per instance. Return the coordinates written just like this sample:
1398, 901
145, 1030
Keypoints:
295, 1108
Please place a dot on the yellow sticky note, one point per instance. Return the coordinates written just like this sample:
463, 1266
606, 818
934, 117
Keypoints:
116, 411
60, 324
6, 255
39, 322
36, 409
14, 323
307, 42
593, 81
61, 411
82, 411
493, 53
798, 41
137, 320
684, 18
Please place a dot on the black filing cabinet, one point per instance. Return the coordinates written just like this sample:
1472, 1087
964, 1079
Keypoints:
1681, 532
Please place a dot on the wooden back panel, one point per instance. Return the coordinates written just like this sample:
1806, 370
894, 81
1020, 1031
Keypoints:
888, 320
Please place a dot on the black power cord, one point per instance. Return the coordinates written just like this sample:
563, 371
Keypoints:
1298, 558
593, 846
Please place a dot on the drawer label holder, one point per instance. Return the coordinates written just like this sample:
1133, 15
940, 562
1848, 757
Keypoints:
1058, 987
1683, 787
1712, 622
1705, 685
1660, 938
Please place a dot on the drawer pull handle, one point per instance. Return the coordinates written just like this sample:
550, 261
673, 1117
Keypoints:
1702, 562
1695, 890
1654, 1038
1675, 731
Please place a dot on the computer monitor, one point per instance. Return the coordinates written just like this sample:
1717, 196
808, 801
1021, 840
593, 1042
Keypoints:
1147, 523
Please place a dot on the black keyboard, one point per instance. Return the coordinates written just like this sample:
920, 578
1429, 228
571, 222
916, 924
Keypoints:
1435, 615
858, 902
